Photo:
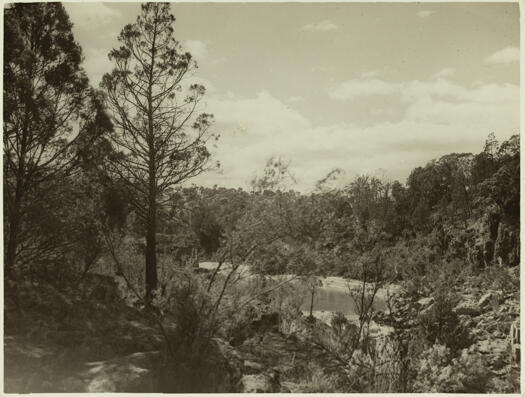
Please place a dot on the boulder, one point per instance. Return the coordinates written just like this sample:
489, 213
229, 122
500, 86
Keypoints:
488, 297
261, 383
467, 306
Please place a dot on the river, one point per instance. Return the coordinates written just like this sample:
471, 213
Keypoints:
333, 296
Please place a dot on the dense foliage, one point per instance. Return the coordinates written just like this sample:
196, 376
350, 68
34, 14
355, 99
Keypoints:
51, 116
433, 220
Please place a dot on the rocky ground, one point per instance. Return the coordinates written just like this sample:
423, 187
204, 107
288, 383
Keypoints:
487, 315
57, 341
90, 340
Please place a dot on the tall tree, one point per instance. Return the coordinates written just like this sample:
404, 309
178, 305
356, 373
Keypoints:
160, 135
50, 114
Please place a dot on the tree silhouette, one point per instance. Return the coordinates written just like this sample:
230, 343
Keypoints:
50, 114
160, 136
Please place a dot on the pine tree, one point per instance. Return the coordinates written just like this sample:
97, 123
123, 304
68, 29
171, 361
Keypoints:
160, 136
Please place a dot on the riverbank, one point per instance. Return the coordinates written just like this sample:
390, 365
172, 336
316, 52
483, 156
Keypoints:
343, 285
335, 284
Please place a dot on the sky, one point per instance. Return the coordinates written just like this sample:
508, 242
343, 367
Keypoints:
370, 88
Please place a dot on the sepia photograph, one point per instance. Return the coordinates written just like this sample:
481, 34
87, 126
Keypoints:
271, 197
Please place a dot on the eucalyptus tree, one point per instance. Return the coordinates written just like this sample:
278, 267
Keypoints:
160, 135
50, 116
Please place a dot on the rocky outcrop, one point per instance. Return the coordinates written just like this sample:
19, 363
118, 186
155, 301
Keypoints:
488, 315
507, 245
492, 240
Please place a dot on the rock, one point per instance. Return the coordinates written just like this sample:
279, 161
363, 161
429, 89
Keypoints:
251, 367
506, 249
492, 240
480, 246
467, 306
291, 387
485, 299
260, 383
130, 374
425, 302
491, 346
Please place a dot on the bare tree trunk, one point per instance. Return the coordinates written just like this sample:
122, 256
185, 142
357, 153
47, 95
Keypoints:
151, 254
12, 241
312, 304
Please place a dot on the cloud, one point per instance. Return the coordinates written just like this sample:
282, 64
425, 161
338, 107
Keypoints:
322, 26
425, 13
504, 56
252, 129
446, 72
370, 73
352, 89
411, 91
218, 61
96, 64
295, 99
435, 118
91, 15
197, 48
443, 89
262, 113
321, 69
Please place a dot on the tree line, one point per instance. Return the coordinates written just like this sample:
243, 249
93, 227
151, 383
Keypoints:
337, 230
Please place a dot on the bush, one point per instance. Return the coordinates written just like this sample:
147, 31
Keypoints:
287, 301
318, 382
186, 313
440, 324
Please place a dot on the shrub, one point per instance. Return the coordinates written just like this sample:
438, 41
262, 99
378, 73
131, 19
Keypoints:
440, 324
318, 382
186, 315
287, 301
